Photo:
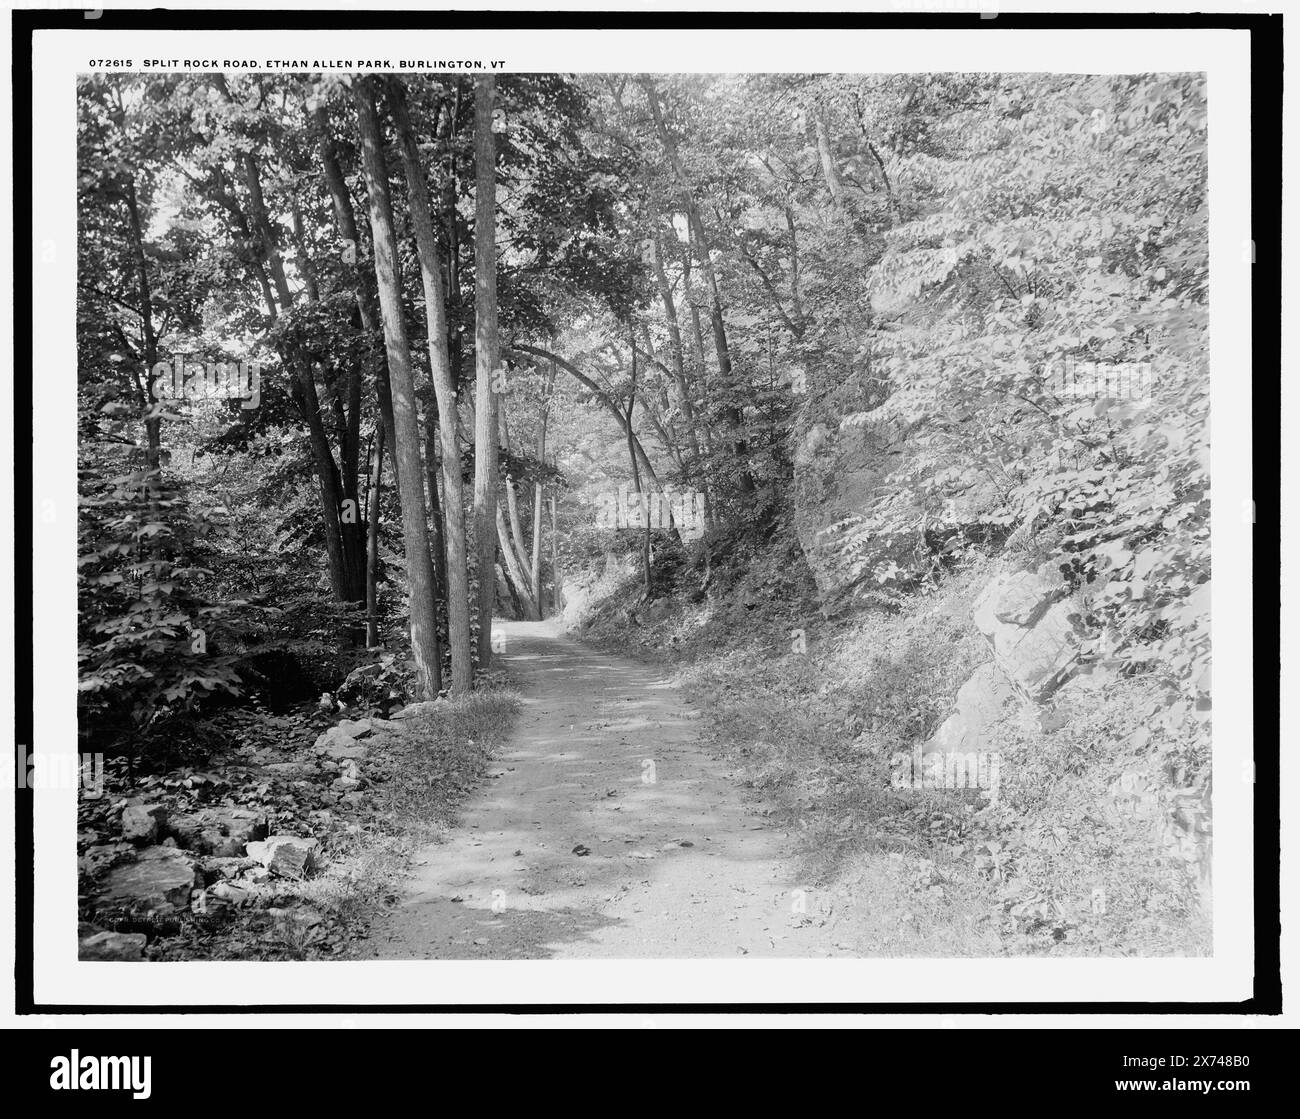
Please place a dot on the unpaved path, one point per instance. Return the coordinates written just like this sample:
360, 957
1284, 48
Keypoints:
606, 758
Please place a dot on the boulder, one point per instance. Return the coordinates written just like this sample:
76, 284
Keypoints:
289, 856
337, 744
1025, 616
111, 947
142, 823
158, 883
101, 856
420, 710
228, 893
355, 728
361, 681
983, 702
221, 831
349, 774
223, 867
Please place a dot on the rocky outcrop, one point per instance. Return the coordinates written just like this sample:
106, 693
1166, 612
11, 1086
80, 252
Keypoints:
157, 884
289, 856
982, 703
854, 524
143, 823
1025, 615
221, 831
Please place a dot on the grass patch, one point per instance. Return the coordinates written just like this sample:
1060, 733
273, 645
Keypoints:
432, 769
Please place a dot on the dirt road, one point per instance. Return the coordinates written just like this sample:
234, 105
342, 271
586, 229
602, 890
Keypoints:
605, 830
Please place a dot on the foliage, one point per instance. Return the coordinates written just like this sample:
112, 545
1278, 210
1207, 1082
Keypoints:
148, 639
1042, 334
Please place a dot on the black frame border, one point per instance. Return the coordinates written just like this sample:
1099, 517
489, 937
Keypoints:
1266, 228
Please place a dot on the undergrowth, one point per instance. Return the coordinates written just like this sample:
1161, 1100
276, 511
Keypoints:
813, 703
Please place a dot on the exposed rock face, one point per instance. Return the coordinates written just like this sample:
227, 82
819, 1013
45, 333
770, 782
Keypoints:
1026, 617
356, 728
851, 522
289, 856
220, 831
157, 884
983, 702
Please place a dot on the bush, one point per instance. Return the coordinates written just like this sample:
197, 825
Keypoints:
148, 640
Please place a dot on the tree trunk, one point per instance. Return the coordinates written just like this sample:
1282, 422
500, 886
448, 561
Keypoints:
373, 494
518, 577
536, 571
511, 590
451, 246
676, 352
519, 547
515, 541
419, 567
429, 248
557, 589
327, 478
486, 360
636, 474
830, 172
152, 424
437, 522
345, 221
342, 579
697, 332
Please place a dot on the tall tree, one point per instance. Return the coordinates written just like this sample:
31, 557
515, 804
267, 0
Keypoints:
425, 647
429, 249
486, 344
537, 492
636, 474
